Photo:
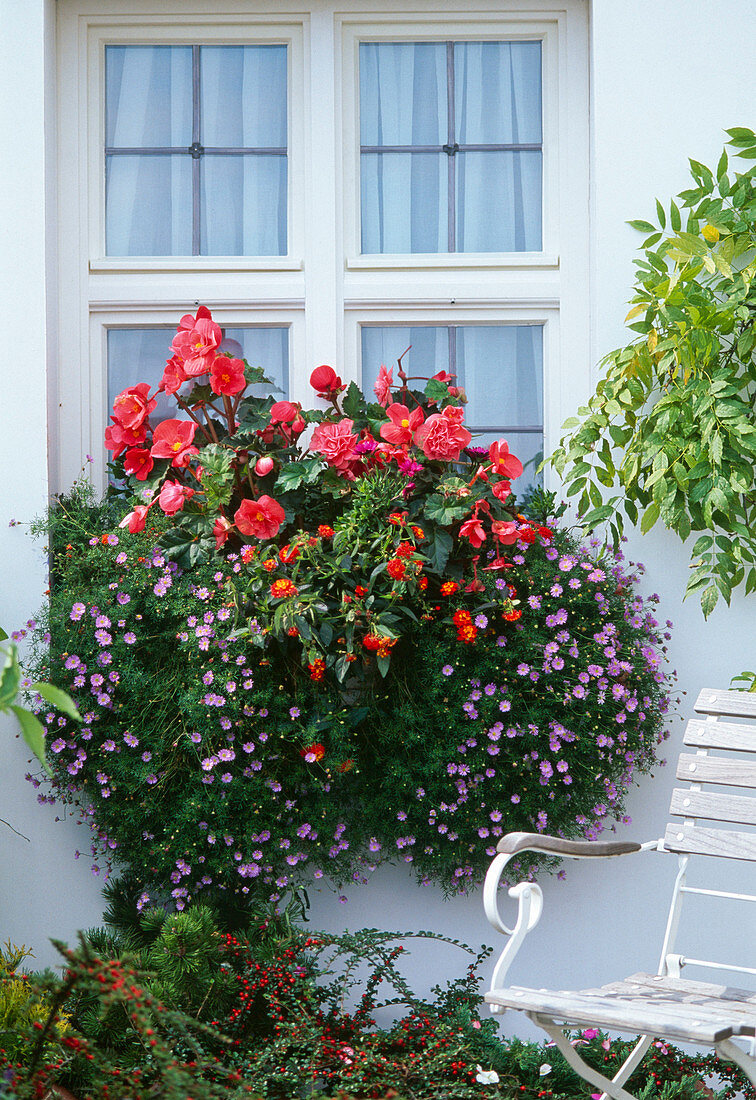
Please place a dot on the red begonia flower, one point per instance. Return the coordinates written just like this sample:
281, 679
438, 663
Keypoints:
443, 435
174, 375
505, 531
335, 442
261, 518
501, 490
504, 464
196, 341
402, 424
284, 412
136, 520
138, 463
173, 497
473, 530
382, 387
173, 439
227, 375
221, 529
132, 406
117, 438
326, 382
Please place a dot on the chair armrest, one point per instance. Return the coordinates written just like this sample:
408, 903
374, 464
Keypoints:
513, 843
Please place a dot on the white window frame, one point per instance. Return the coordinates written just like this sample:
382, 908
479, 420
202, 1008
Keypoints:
323, 290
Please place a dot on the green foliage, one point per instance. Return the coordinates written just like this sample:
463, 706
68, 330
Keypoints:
217, 767
273, 1011
669, 434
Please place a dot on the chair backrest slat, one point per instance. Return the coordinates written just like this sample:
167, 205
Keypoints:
708, 769
732, 808
698, 840
729, 704
720, 735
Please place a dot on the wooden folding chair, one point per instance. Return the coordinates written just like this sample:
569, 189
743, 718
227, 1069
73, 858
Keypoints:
662, 1004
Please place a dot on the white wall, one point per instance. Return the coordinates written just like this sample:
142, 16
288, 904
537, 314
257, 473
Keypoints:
667, 78
43, 892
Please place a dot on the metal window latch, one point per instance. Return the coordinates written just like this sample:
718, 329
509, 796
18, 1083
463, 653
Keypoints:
196, 150
450, 150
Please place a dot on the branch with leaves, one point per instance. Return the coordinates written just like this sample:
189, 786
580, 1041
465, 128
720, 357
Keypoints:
669, 433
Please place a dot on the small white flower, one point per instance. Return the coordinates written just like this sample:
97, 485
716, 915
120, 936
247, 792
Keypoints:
545, 1069
486, 1076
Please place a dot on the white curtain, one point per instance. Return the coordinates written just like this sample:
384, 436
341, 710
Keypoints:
403, 101
243, 103
139, 354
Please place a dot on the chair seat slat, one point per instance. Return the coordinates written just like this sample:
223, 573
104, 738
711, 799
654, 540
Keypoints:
629, 1006
733, 704
733, 808
720, 735
697, 840
710, 769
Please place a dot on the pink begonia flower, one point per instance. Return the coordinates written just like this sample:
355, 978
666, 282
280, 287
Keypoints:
196, 341
382, 387
326, 382
136, 520
504, 464
442, 376
227, 375
221, 530
173, 439
443, 435
132, 406
261, 518
473, 530
173, 497
117, 438
505, 531
501, 490
138, 463
174, 375
590, 1033
335, 442
402, 424
264, 465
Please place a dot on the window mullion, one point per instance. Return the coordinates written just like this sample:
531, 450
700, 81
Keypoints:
451, 164
196, 145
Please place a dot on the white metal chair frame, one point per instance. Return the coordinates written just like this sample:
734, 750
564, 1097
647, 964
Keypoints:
664, 1004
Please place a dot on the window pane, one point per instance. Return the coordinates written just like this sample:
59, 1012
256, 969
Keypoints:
428, 354
499, 201
148, 205
243, 101
497, 92
139, 354
499, 366
243, 205
148, 96
403, 93
405, 206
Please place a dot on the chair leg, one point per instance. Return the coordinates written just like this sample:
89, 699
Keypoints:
733, 1053
592, 1076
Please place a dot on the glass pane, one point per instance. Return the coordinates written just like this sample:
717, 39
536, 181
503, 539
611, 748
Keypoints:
139, 355
148, 96
500, 367
497, 93
403, 93
499, 201
243, 101
428, 354
404, 202
148, 205
243, 205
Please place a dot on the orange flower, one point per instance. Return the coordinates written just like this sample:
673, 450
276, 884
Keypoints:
345, 766
405, 550
248, 554
461, 617
325, 531
418, 532
360, 591
422, 583
398, 519
288, 553
283, 588
293, 632
396, 569
270, 564
317, 669
512, 616
467, 633
448, 588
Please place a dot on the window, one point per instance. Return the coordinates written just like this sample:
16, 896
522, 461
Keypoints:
195, 150
336, 181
